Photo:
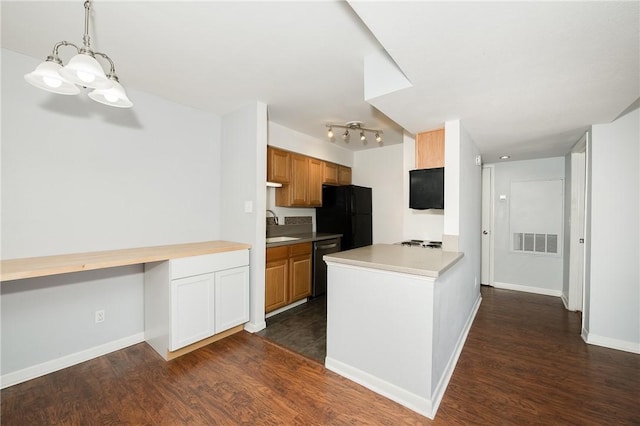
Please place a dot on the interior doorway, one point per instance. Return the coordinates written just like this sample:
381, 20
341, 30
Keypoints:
486, 270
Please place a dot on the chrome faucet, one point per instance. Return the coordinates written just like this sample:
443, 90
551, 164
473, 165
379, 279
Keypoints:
275, 216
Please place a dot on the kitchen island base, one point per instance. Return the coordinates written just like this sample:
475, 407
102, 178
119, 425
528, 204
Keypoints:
388, 331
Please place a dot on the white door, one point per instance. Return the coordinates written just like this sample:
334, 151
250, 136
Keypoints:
231, 298
487, 225
191, 310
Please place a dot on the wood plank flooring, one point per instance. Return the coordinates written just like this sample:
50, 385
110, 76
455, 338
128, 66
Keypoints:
524, 363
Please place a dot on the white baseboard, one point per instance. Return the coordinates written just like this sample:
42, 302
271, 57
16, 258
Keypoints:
565, 302
410, 400
286, 308
255, 327
607, 342
453, 360
47, 367
528, 289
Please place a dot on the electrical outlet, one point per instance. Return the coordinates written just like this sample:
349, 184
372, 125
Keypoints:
100, 316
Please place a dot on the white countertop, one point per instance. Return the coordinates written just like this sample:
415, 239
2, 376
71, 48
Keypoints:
429, 262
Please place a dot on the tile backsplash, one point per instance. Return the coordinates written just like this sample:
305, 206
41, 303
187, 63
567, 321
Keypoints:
291, 225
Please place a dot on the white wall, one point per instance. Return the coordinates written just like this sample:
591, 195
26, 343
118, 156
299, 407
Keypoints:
538, 273
244, 149
381, 169
418, 224
612, 316
80, 176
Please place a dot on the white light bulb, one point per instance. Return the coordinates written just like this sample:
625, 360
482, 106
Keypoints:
52, 82
110, 96
85, 76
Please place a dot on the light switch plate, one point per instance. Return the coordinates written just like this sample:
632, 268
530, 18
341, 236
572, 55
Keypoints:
248, 206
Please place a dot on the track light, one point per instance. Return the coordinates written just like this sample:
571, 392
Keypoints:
358, 126
330, 133
83, 70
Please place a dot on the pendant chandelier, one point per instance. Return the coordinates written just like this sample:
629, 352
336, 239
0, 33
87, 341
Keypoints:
356, 127
83, 70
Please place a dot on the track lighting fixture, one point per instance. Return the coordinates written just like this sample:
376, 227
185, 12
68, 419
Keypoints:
83, 70
357, 126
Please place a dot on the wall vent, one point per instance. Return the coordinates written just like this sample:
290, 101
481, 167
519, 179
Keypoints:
535, 243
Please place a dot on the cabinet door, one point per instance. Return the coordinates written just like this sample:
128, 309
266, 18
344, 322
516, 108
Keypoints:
300, 284
315, 182
231, 298
330, 174
278, 165
344, 175
430, 149
276, 278
192, 317
299, 180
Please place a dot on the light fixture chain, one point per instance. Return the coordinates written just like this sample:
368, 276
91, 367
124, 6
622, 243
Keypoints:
86, 39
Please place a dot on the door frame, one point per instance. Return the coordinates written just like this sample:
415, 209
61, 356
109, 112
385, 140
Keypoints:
575, 298
489, 199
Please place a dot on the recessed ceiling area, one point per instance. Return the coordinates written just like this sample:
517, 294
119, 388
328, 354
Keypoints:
524, 78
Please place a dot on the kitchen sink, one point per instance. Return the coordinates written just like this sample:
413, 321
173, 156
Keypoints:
280, 239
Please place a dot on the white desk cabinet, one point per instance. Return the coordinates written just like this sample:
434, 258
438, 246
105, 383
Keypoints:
194, 298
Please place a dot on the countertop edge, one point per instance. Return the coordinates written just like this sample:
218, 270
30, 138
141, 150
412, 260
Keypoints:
304, 238
396, 268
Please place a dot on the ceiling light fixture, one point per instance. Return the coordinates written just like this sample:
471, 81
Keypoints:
357, 126
505, 157
83, 70
330, 133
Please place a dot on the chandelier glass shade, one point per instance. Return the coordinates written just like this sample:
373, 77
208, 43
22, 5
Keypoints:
356, 126
83, 70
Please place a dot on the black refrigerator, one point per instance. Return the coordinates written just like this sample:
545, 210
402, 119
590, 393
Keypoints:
346, 210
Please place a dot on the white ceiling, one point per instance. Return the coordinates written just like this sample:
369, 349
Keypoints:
524, 78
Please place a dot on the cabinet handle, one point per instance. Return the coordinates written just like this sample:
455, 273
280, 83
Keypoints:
328, 246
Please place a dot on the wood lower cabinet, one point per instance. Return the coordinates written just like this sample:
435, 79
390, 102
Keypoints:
288, 275
430, 149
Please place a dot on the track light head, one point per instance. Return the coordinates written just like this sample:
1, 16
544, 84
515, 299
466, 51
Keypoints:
330, 133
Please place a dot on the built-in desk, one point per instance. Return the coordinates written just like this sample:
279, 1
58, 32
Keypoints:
31, 267
194, 293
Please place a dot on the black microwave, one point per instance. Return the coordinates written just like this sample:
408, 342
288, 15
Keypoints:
426, 189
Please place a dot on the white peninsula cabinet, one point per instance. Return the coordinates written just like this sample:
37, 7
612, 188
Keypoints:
193, 301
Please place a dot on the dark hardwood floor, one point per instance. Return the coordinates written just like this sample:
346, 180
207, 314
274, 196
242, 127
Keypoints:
524, 363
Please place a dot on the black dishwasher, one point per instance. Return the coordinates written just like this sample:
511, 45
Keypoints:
320, 248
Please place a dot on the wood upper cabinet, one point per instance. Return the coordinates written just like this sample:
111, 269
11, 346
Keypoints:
288, 275
304, 177
300, 180
430, 149
278, 165
316, 169
330, 173
344, 175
